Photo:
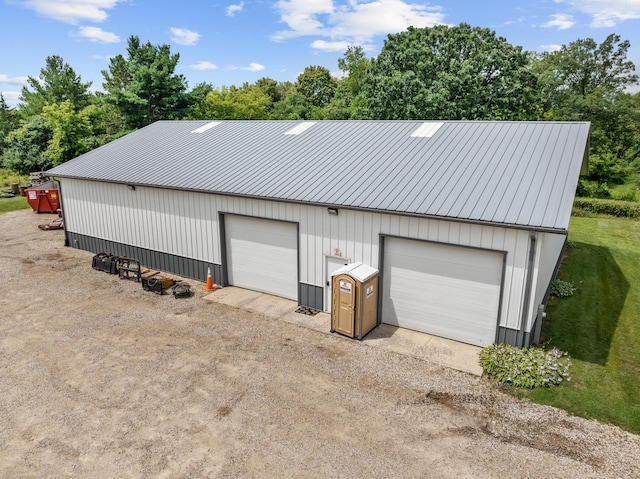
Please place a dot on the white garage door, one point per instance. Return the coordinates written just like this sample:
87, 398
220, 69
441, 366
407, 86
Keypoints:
443, 290
262, 255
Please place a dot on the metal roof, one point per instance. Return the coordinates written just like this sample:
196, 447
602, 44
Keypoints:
521, 174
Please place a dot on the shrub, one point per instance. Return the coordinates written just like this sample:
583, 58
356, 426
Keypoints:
562, 289
625, 193
527, 367
621, 209
592, 189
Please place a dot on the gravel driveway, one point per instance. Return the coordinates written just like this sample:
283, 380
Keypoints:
101, 379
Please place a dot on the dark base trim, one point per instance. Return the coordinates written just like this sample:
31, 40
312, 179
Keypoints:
514, 337
185, 267
311, 296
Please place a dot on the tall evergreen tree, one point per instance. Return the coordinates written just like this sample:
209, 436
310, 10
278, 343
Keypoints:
9, 121
144, 85
57, 83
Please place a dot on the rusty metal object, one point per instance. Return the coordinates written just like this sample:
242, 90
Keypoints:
52, 225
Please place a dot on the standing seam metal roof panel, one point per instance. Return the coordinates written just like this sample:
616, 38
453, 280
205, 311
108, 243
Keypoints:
521, 174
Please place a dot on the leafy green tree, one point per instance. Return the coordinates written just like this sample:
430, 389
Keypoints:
196, 96
356, 68
586, 81
295, 106
71, 130
26, 147
276, 91
583, 68
107, 121
317, 85
442, 72
232, 103
9, 121
144, 85
57, 83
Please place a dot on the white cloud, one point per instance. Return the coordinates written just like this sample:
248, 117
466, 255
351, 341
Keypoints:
183, 36
515, 21
253, 67
233, 9
607, 13
96, 34
325, 46
11, 97
72, 11
13, 80
204, 65
561, 21
356, 21
550, 48
301, 17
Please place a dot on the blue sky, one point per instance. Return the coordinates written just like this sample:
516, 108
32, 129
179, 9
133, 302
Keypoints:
228, 42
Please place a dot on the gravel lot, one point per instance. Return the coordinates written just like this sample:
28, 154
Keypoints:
101, 379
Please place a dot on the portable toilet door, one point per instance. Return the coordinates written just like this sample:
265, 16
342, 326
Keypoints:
343, 318
354, 298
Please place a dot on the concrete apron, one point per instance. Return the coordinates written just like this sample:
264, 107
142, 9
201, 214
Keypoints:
445, 352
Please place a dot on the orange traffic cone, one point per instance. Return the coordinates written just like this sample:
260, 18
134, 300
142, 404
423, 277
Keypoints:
209, 286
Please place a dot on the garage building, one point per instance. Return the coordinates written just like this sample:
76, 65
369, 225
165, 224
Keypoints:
466, 220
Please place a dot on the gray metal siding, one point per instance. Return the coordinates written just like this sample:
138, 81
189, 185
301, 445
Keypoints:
185, 267
512, 173
311, 296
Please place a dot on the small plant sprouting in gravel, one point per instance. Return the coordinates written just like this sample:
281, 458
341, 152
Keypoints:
527, 367
562, 289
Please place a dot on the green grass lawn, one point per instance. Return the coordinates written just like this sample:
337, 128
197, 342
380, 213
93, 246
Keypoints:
7, 178
599, 326
12, 204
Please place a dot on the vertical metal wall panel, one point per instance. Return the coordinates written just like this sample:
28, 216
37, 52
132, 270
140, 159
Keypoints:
509, 336
163, 220
184, 224
310, 296
552, 246
532, 307
517, 265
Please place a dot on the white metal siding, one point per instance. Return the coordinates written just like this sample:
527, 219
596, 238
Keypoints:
550, 249
146, 218
262, 255
448, 291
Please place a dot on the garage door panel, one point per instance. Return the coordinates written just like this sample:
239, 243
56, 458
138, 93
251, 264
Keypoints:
473, 269
426, 287
277, 236
262, 255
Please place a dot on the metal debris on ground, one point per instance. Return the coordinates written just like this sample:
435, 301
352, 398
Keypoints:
307, 311
181, 290
52, 225
155, 284
106, 262
129, 268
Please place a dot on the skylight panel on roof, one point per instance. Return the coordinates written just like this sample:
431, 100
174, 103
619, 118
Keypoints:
206, 127
296, 130
427, 130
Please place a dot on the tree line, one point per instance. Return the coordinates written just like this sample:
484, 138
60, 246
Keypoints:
435, 73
